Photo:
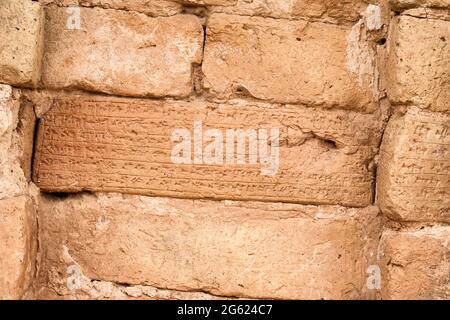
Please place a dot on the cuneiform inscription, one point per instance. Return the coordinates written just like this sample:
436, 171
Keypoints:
121, 145
414, 181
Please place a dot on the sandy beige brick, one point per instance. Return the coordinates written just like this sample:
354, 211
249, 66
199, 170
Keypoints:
243, 249
21, 38
289, 62
12, 145
419, 56
416, 264
122, 145
17, 246
407, 4
414, 173
149, 7
122, 53
336, 11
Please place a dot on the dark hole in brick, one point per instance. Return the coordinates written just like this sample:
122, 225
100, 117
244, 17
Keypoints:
382, 41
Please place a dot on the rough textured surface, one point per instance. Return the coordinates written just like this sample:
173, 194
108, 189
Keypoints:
416, 264
149, 7
414, 173
122, 53
277, 60
419, 62
17, 246
21, 42
12, 180
118, 145
325, 10
324, 251
406, 4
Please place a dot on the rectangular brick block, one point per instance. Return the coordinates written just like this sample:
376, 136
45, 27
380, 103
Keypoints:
17, 246
419, 56
407, 4
335, 11
416, 264
21, 39
278, 61
13, 144
151, 8
120, 52
185, 149
237, 249
414, 172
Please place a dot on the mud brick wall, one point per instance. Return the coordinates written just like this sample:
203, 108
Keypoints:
210, 149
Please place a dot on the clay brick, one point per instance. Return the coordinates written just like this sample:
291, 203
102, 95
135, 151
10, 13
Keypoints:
123, 145
17, 246
12, 180
418, 62
416, 264
238, 249
152, 8
279, 61
122, 53
407, 4
414, 172
21, 30
336, 11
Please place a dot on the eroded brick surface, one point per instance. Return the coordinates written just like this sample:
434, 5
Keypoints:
289, 62
419, 56
243, 249
152, 8
21, 41
416, 264
414, 173
17, 246
122, 53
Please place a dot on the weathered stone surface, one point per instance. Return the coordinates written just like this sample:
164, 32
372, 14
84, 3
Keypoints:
122, 53
17, 246
335, 11
238, 249
120, 145
21, 30
414, 172
209, 2
55, 288
279, 61
407, 4
418, 62
416, 264
12, 180
149, 7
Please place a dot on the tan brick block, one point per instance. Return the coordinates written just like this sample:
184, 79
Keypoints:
12, 180
122, 53
407, 4
335, 11
238, 249
414, 173
416, 264
279, 61
418, 62
17, 246
297, 154
21, 30
151, 8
